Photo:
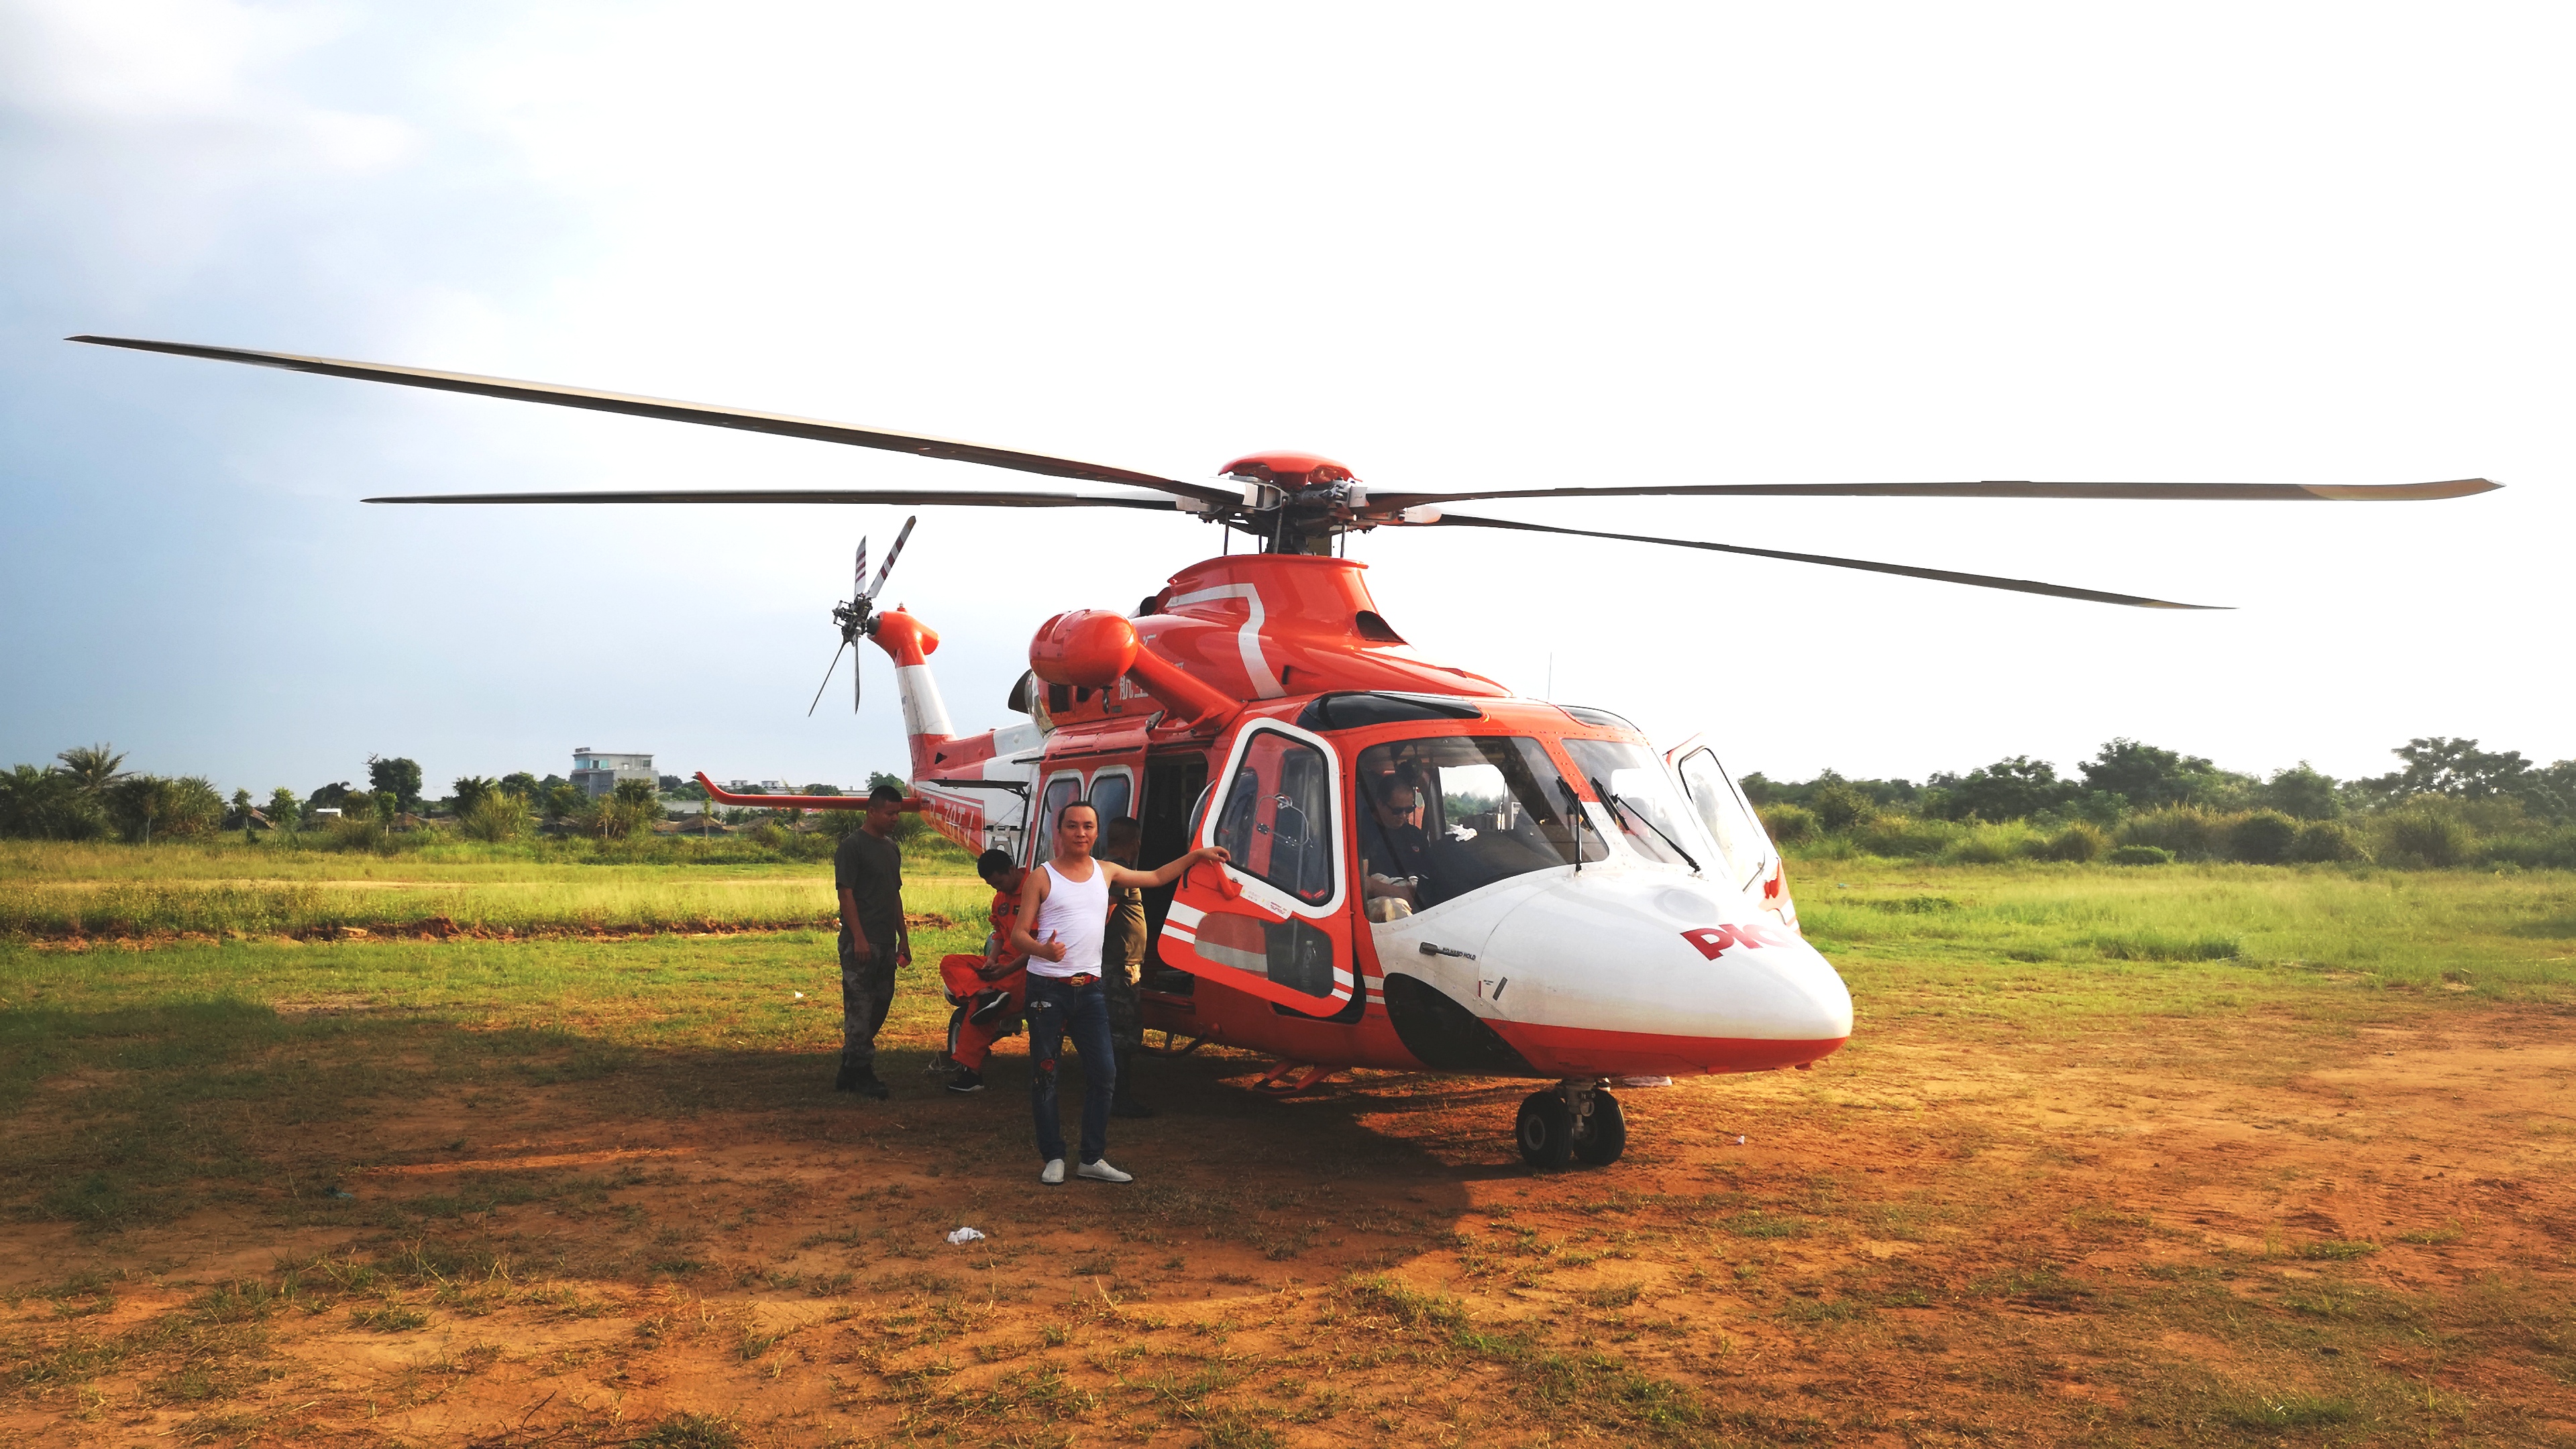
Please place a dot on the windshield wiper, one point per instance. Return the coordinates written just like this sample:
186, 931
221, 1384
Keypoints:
1617, 801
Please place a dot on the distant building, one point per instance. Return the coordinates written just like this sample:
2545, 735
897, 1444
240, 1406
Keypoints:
597, 772
761, 787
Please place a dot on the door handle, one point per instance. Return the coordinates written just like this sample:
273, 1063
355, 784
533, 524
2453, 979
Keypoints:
1430, 950
1225, 885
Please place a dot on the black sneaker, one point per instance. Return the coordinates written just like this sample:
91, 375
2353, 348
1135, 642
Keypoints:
862, 1080
966, 1080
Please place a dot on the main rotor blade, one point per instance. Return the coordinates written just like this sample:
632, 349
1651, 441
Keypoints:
935, 497
892, 554
670, 410
1992, 488
858, 573
1982, 581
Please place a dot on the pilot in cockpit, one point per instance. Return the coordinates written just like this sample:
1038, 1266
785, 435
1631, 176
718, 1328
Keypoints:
1395, 854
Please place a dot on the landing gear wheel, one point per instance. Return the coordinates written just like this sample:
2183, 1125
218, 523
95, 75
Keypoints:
1602, 1134
1546, 1130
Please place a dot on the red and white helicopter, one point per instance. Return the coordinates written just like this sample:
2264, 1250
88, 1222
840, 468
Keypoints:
1428, 872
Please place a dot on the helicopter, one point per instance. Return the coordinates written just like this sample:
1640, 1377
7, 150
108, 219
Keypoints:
1425, 870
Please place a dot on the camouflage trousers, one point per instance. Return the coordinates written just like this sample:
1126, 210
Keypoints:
1126, 1024
867, 994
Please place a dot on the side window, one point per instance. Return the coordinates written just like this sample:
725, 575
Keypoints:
1278, 817
1734, 828
1112, 795
1060, 792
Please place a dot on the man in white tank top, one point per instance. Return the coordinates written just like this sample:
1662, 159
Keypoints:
1063, 907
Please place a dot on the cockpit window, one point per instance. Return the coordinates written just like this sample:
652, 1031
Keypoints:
1443, 816
1655, 820
1739, 835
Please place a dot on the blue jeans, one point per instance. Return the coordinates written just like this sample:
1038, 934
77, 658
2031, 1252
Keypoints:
1057, 1010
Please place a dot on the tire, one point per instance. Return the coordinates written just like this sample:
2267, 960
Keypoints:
1603, 1136
1545, 1130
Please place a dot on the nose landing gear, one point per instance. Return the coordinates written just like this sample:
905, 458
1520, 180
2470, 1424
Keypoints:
1577, 1118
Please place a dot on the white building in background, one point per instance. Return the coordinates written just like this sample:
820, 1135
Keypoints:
598, 771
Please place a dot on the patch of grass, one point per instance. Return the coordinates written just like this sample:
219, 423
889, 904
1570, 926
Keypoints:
2166, 946
2291, 1411
1237, 1429
1759, 1224
690, 1431
2042, 1287
2246, 925
2336, 1250
217, 888
1595, 1389
388, 1318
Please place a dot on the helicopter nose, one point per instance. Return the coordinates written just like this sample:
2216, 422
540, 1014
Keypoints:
1630, 968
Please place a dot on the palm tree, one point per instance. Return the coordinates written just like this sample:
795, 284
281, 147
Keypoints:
93, 767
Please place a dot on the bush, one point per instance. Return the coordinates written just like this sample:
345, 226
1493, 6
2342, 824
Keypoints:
2079, 842
1839, 805
2324, 841
1991, 844
359, 829
769, 835
2263, 837
2425, 837
2553, 851
1907, 836
2142, 855
145, 806
2180, 830
612, 817
496, 815
1788, 824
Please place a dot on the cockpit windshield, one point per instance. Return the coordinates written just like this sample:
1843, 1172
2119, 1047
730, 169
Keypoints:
1654, 820
1443, 816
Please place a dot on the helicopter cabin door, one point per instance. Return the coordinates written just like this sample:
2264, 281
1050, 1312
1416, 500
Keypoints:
1275, 920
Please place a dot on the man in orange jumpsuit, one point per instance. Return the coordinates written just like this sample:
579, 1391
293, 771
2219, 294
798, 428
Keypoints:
991, 988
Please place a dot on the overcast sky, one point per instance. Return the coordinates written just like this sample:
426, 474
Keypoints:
1451, 246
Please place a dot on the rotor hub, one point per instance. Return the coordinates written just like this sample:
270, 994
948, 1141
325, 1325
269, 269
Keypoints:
1294, 472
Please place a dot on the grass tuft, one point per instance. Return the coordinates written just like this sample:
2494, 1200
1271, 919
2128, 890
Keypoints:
690, 1431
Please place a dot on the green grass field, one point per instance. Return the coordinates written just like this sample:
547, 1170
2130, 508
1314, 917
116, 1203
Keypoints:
2274, 929
229, 889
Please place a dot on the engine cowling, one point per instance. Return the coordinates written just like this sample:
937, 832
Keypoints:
1094, 648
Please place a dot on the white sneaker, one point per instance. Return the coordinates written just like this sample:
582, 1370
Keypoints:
1053, 1172
1101, 1171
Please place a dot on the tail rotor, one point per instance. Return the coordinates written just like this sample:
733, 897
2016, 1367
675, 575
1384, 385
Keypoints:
857, 617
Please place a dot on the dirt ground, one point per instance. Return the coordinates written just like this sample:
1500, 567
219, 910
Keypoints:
2157, 1230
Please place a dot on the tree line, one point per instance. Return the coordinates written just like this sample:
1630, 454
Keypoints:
88, 794
2451, 802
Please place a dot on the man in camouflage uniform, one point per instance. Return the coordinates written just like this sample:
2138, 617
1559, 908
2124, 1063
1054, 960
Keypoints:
867, 872
1122, 963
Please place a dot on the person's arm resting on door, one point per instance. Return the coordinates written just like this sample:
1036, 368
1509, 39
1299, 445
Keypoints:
1172, 870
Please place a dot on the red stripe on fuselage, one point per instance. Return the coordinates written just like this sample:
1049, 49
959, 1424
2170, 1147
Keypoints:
1575, 1051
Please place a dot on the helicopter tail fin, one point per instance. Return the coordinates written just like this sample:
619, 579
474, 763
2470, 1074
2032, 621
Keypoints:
910, 643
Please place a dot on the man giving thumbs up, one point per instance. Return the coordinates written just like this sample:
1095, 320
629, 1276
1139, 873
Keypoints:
1063, 906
